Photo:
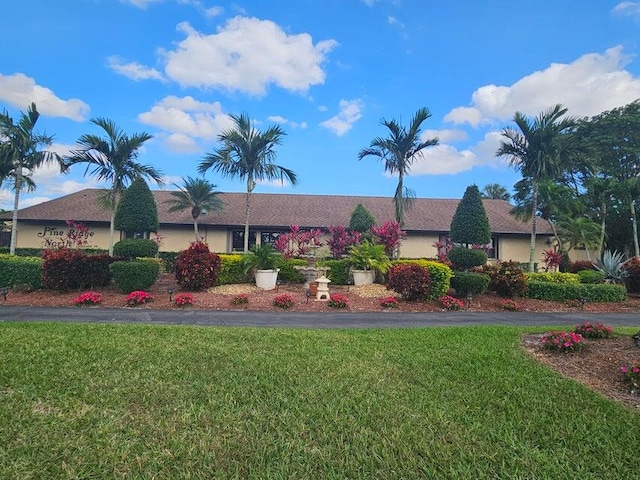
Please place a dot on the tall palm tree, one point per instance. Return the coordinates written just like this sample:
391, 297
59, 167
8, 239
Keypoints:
20, 155
495, 191
112, 159
398, 151
538, 149
248, 154
199, 196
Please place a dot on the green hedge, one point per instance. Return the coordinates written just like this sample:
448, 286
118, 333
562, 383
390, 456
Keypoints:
466, 283
15, 270
464, 258
287, 273
135, 275
591, 276
338, 271
130, 248
231, 270
440, 275
555, 277
559, 292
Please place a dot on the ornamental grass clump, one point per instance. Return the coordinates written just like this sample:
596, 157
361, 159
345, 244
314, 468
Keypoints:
284, 301
184, 300
631, 377
563, 342
138, 297
598, 330
87, 298
389, 303
338, 300
450, 303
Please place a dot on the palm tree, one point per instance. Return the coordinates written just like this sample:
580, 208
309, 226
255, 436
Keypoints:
495, 191
20, 155
113, 160
398, 151
199, 196
538, 149
579, 231
247, 153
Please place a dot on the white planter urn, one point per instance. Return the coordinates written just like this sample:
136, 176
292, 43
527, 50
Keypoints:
363, 277
266, 279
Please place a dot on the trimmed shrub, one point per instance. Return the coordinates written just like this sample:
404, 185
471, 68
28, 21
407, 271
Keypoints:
361, 219
555, 277
439, 272
69, 269
197, 268
507, 279
287, 273
411, 281
466, 283
575, 267
130, 248
137, 210
559, 292
15, 270
632, 281
339, 271
232, 270
470, 224
133, 275
590, 276
464, 258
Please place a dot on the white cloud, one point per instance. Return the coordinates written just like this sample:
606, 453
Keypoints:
248, 55
277, 119
140, 3
274, 183
187, 117
590, 85
133, 70
627, 9
283, 121
323, 108
20, 90
350, 113
444, 136
179, 142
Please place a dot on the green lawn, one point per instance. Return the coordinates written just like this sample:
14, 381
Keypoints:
128, 401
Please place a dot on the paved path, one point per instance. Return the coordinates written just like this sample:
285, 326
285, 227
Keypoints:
386, 319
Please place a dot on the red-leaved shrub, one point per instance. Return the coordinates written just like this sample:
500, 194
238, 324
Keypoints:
69, 269
575, 267
196, 267
411, 281
632, 281
507, 279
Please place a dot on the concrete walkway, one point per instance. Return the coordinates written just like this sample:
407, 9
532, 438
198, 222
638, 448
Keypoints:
385, 319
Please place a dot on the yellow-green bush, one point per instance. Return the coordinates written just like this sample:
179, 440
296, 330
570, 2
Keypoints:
15, 270
554, 277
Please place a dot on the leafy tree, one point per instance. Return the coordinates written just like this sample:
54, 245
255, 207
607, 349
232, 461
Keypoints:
20, 155
197, 195
538, 149
495, 191
137, 210
361, 219
470, 224
248, 153
398, 151
579, 231
112, 159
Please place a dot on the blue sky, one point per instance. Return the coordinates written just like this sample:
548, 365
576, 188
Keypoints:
326, 70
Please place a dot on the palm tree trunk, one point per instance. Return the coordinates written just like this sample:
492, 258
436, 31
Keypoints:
603, 225
398, 200
555, 234
250, 186
634, 221
195, 229
14, 218
112, 231
534, 209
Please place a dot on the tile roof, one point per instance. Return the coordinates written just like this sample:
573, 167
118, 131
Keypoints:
283, 210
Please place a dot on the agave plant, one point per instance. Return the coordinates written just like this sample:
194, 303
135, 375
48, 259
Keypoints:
612, 266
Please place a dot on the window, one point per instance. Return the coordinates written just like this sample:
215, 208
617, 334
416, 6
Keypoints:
136, 234
492, 248
269, 237
237, 240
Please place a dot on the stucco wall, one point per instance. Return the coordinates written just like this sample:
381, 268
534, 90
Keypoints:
46, 235
517, 248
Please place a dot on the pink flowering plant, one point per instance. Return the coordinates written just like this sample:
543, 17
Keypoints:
87, 298
562, 342
184, 300
138, 297
240, 299
510, 305
631, 377
284, 301
450, 303
389, 302
338, 300
598, 330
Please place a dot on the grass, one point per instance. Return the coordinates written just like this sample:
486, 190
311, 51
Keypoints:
129, 401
